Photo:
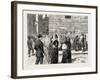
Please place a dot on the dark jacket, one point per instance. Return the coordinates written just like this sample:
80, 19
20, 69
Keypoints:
29, 44
39, 48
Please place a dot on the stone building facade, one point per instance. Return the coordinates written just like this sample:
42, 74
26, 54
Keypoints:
57, 24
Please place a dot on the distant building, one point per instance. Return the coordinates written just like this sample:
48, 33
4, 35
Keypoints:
60, 24
68, 23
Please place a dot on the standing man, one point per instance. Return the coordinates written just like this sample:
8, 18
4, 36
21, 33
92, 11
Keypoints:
76, 43
30, 46
83, 42
39, 50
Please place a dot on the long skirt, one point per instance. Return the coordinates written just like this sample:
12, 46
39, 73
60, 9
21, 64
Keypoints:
66, 58
54, 56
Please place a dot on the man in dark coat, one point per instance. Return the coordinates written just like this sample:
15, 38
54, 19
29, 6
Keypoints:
83, 42
30, 45
76, 43
39, 50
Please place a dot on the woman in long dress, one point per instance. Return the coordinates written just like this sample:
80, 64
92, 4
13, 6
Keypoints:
54, 54
66, 51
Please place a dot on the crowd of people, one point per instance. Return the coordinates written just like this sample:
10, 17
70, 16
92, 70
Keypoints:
80, 43
51, 51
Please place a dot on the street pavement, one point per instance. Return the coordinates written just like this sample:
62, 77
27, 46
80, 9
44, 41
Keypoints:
77, 57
